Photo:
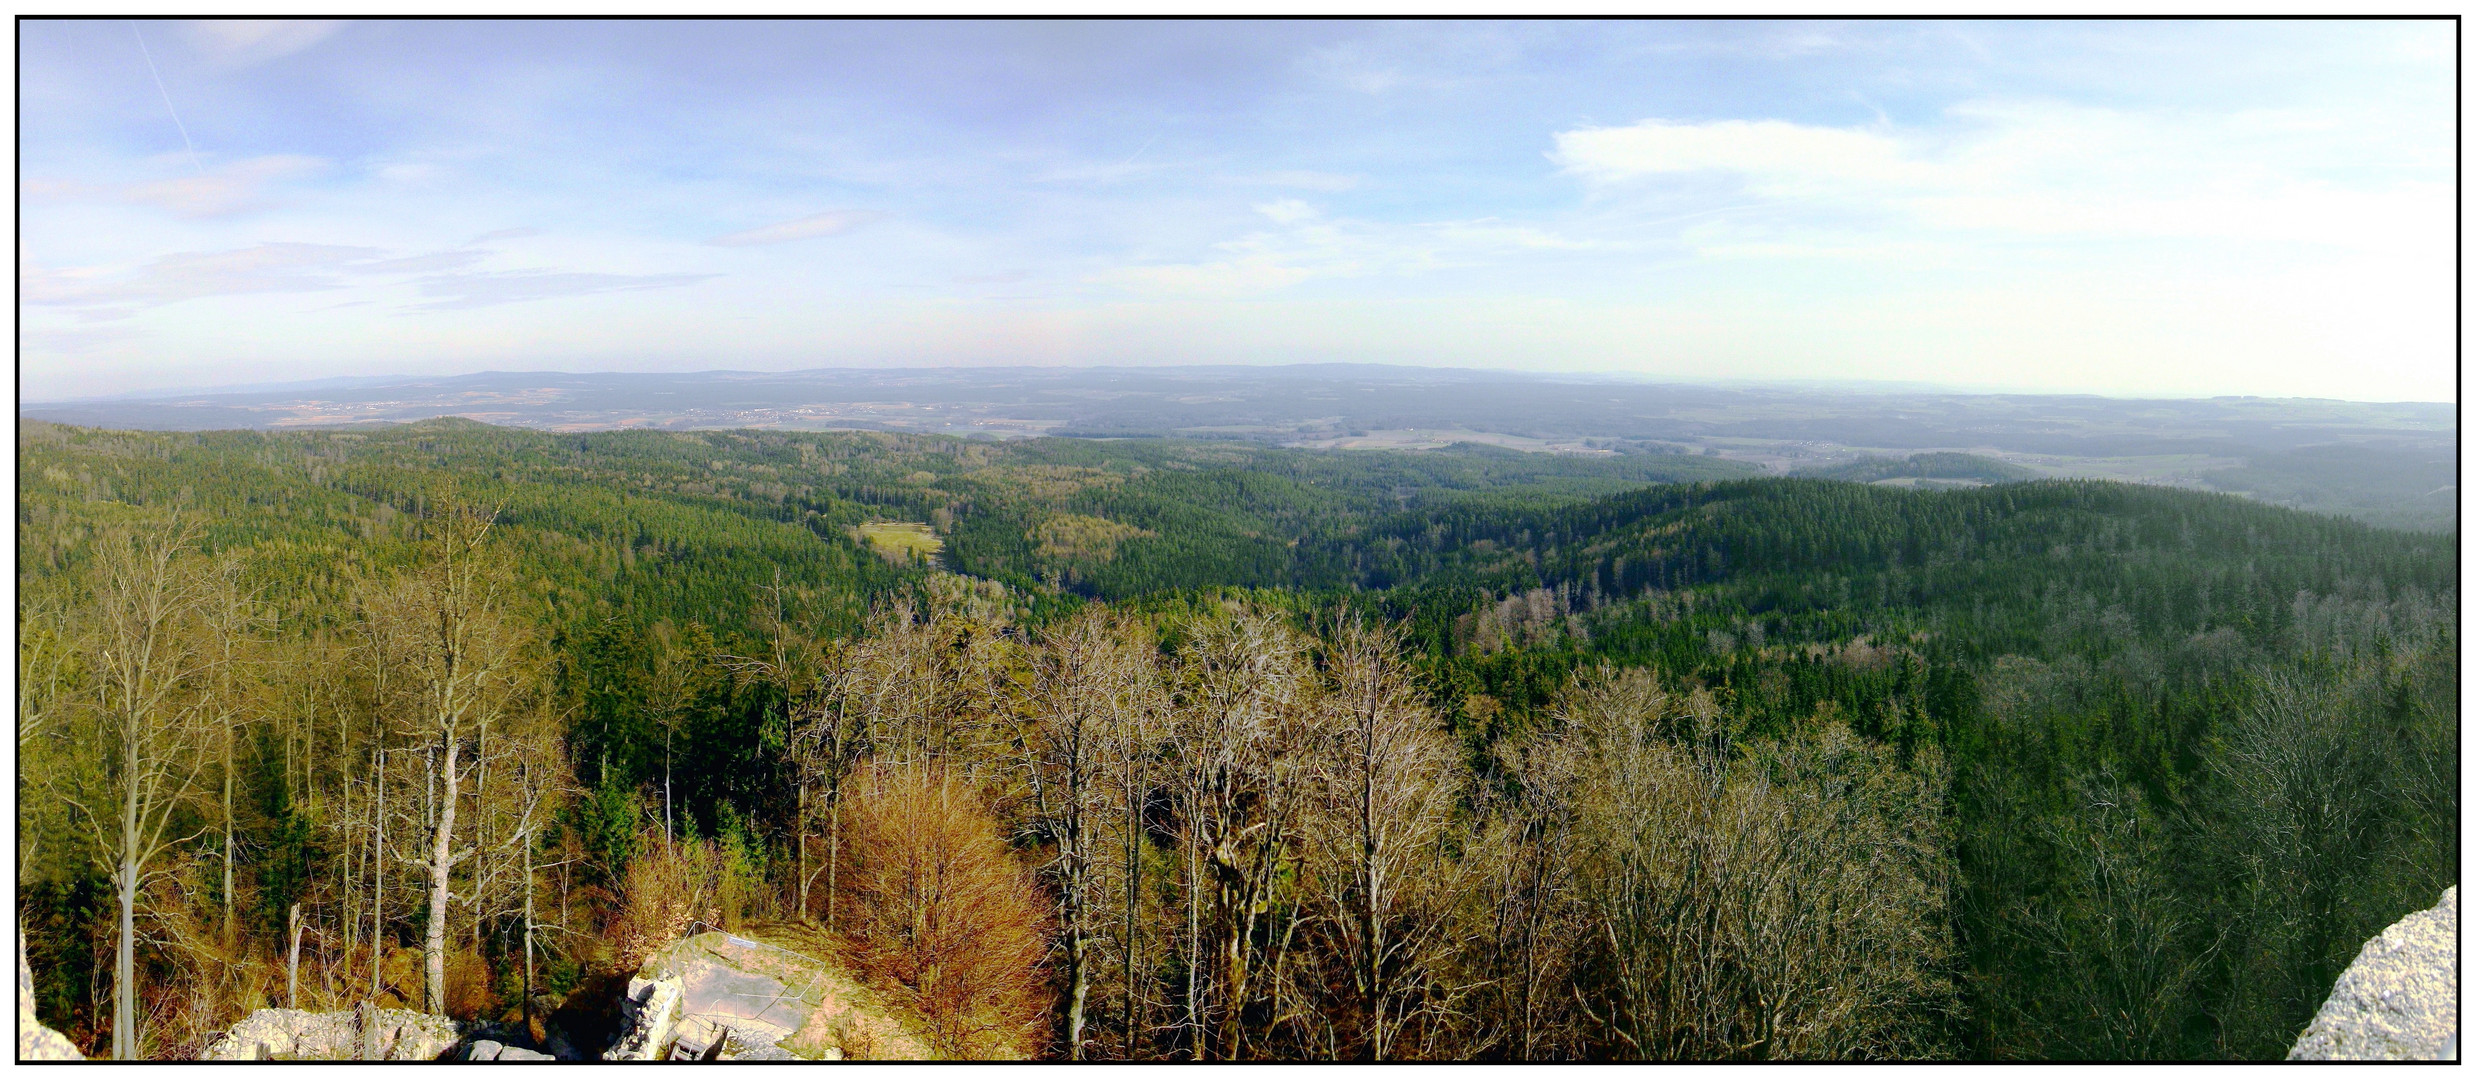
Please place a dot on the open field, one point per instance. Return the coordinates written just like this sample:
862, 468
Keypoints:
902, 542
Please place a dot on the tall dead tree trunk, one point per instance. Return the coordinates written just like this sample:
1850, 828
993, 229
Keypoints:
527, 847
124, 962
292, 961
228, 901
443, 858
480, 901
799, 835
227, 620
1196, 1048
378, 876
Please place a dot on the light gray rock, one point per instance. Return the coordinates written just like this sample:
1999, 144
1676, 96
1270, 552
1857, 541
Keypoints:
763, 1053
494, 1050
651, 1007
34, 1041
2399, 1001
297, 1035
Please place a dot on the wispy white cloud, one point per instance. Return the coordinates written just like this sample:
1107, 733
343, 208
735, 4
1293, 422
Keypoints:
457, 291
239, 43
1135, 167
1726, 245
75, 340
1773, 153
1286, 211
1489, 234
226, 189
103, 293
431, 263
1247, 275
1310, 246
2039, 169
1309, 180
830, 223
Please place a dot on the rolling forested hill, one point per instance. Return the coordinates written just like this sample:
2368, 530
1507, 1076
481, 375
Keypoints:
2392, 464
2147, 764
707, 511
1875, 470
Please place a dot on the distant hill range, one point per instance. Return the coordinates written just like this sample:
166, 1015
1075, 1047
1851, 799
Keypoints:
1967, 468
2392, 464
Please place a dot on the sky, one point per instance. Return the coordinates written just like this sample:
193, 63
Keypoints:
2143, 209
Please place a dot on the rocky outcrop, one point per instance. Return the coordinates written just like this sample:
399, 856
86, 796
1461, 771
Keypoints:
368, 1035
34, 1041
755, 994
647, 1015
494, 1050
2399, 1001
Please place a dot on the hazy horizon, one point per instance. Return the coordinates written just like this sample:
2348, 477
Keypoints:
1857, 385
2139, 210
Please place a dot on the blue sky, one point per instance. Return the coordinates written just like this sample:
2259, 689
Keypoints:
2133, 209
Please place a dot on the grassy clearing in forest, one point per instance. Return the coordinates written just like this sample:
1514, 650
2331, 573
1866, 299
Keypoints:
901, 541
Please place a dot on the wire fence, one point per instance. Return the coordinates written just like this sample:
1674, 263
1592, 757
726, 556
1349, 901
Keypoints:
809, 993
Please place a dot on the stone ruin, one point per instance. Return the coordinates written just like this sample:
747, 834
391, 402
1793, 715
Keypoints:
646, 1018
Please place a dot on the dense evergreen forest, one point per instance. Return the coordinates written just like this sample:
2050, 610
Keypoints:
1190, 750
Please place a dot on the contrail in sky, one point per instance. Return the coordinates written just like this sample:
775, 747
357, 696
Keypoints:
1147, 145
167, 98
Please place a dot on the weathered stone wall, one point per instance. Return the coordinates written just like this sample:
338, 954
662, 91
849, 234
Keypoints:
651, 1007
2399, 1001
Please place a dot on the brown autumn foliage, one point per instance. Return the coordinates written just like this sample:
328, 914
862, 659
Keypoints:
670, 887
469, 996
206, 983
936, 909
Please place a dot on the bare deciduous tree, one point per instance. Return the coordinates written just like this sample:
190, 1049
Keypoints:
1389, 785
1091, 688
139, 740
1780, 900
1243, 692
462, 663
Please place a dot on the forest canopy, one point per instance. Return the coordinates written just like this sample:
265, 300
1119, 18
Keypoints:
1216, 751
